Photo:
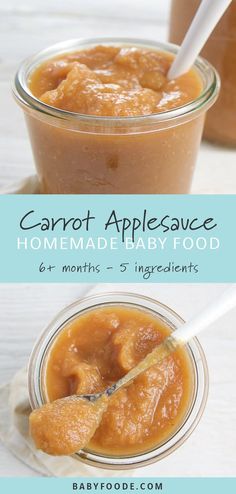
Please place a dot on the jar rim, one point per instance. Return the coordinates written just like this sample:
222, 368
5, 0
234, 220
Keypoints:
172, 319
209, 77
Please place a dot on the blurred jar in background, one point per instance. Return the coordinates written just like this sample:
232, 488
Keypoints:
220, 50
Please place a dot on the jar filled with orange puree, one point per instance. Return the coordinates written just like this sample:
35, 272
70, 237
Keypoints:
220, 50
96, 341
103, 117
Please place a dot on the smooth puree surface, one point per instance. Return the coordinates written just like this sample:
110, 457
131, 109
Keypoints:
113, 81
101, 346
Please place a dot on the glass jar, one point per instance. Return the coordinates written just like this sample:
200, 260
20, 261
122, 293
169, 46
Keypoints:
38, 361
84, 154
220, 50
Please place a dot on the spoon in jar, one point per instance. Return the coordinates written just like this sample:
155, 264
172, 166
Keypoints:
208, 15
65, 426
223, 303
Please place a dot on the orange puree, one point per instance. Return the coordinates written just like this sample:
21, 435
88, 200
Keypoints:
91, 353
65, 426
113, 81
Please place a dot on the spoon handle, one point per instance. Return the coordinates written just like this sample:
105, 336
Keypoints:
205, 20
222, 304
216, 309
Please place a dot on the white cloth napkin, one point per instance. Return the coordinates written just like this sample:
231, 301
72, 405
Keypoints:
29, 185
14, 431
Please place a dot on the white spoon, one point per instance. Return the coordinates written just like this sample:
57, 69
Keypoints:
205, 20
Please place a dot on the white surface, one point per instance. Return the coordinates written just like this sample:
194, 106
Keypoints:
28, 26
210, 451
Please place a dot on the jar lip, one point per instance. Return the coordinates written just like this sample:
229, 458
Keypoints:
200, 392
206, 71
